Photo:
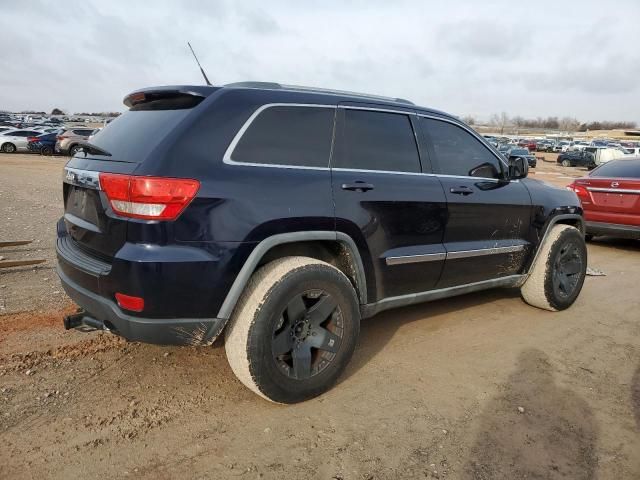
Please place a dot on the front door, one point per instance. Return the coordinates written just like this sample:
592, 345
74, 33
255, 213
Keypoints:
384, 201
488, 217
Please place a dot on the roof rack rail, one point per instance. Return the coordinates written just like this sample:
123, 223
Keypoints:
300, 88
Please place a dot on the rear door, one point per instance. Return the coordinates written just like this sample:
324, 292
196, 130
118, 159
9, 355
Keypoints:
385, 202
614, 193
488, 218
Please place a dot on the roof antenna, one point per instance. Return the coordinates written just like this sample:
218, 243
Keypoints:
203, 74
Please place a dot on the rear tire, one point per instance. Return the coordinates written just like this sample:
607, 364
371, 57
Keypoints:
46, 151
557, 277
73, 150
293, 330
8, 147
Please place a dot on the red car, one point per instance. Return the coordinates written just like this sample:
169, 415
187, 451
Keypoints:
610, 197
528, 144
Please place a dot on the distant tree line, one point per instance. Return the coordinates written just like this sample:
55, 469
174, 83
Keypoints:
569, 124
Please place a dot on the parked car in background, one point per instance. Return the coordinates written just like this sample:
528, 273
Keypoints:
16, 140
610, 197
576, 158
94, 133
69, 141
604, 154
563, 146
503, 148
43, 144
513, 153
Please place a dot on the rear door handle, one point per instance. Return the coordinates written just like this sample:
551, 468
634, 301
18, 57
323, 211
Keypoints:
461, 190
357, 186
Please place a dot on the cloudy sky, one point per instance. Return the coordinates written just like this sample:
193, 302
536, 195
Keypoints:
536, 58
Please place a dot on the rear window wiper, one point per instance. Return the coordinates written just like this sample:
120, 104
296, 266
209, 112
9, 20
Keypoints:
91, 148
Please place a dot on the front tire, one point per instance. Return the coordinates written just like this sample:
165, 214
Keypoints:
293, 330
566, 163
558, 274
9, 148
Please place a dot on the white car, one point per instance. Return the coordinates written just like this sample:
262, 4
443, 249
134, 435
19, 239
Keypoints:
13, 141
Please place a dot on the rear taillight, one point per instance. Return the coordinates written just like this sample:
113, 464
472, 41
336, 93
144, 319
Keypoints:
60, 137
32, 139
151, 198
581, 191
129, 302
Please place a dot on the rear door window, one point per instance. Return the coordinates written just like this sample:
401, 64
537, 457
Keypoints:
298, 136
457, 151
378, 141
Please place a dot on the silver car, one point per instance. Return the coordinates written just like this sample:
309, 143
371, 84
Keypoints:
12, 141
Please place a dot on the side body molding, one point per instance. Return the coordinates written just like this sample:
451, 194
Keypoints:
268, 243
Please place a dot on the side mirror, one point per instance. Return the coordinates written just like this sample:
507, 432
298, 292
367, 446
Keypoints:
485, 170
518, 168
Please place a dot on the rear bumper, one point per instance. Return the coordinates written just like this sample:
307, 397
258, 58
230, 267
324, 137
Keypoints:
164, 331
613, 229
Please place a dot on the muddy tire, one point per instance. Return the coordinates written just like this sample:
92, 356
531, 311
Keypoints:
294, 329
558, 274
566, 163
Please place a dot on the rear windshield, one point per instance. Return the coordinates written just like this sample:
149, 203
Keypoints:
132, 136
618, 169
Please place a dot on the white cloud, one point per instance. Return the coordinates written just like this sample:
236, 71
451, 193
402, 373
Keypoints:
466, 57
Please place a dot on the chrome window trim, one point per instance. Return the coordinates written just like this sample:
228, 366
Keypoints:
425, 257
474, 134
612, 190
338, 169
409, 110
227, 158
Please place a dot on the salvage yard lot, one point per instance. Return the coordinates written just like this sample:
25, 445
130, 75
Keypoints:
479, 386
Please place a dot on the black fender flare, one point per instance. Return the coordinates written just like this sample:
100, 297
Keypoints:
553, 220
268, 243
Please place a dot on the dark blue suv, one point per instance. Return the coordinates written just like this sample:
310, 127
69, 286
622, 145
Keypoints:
283, 215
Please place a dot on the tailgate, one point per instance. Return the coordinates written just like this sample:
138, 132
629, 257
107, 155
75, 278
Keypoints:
615, 196
87, 216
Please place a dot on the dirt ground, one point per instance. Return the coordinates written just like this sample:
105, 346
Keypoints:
477, 387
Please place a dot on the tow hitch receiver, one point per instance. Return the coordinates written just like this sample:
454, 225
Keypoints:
83, 322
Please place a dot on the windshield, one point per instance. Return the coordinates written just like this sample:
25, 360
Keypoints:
519, 151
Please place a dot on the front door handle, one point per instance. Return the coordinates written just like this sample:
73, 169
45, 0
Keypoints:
357, 186
461, 190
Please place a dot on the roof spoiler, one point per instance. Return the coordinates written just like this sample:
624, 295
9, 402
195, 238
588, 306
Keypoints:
196, 93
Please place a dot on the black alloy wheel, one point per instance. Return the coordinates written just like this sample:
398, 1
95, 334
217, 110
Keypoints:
308, 334
567, 270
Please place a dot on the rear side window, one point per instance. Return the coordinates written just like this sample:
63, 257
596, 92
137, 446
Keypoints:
618, 169
83, 132
378, 141
457, 151
287, 135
